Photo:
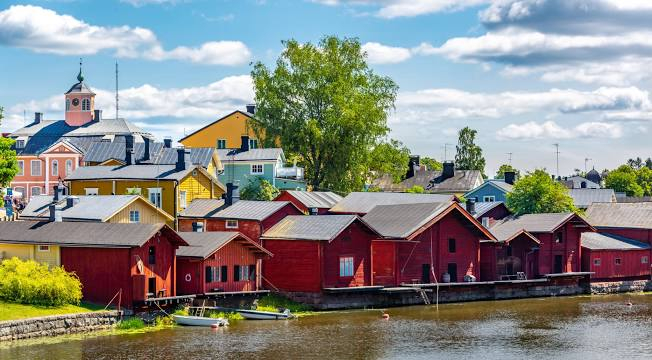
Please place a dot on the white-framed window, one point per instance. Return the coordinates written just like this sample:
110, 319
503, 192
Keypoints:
231, 224
21, 168
221, 143
134, 191
21, 190
68, 167
155, 196
183, 199
91, 191
257, 169
644, 260
44, 248
618, 261
244, 273
488, 198
35, 167
253, 143
597, 262
346, 266
86, 105
36, 190
134, 216
20, 144
67, 104
55, 168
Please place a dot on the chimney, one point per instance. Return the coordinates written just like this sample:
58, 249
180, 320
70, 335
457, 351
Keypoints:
183, 159
449, 170
510, 177
146, 151
97, 116
72, 201
197, 226
167, 143
244, 146
413, 166
470, 206
129, 149
38, 117
55, 213
251, 108
57, 194
232, 194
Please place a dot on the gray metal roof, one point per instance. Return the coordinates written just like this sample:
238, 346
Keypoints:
315, 199
600, 241
102, 151
302, 227
482, 208
401, 221
81, 88
200, 208
124, 172
461, 182
268, 154
533, 223
251, 210
86, 234
585, 197
89, 208
627, 215
205, 244
363, 202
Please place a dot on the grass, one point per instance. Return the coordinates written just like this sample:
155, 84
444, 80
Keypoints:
130, 324
14, 311
273, 302
231, 316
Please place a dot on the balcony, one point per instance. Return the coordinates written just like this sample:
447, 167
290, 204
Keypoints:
293, 172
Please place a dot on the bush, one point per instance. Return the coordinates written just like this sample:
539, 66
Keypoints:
131, 324
29, 282
273, 302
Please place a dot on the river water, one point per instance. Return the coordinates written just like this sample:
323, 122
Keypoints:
602, 327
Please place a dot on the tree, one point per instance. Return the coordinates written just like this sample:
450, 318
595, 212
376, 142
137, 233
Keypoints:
390, 157
431, 163
536, 193
259, 189
500, 174
324, 103
8, 161
416, 189
648, 163
644, 180
635, 163
469, 155
624, 179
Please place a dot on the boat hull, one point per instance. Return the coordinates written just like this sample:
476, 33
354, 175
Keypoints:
263, 315
198, 321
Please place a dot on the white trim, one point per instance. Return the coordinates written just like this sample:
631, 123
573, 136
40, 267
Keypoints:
183, 198
31, 168
91, 191
251, 169
136, 214
152, 191
21, 168
233, 221
39, 248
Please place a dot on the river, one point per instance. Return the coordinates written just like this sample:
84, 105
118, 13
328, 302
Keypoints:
598, 327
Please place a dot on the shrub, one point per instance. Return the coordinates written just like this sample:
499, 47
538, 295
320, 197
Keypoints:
131, 324
29, 282
273, 302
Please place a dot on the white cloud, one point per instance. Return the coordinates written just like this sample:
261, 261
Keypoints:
390, 9
382, 54
45, 31
551, 130
140, 3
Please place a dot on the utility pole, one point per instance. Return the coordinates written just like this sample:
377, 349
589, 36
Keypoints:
557, 153
586, 160
116, 90
446, 151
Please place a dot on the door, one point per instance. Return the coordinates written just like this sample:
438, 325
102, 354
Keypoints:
383, 260
452, 271
425, 273
151, 286
558, 265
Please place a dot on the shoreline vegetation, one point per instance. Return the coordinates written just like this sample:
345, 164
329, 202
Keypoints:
16, 311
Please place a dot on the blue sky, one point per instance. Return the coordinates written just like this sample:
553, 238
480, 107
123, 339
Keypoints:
524, 73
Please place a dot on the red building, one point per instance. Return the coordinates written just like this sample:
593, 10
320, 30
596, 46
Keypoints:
425, 243
488, 212
507, 258
316, 252
310, 202
250, 218
630, 220
218, 261
615, 258
137, 259
360, 203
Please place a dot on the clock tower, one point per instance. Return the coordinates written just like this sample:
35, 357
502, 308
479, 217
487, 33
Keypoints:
80, 102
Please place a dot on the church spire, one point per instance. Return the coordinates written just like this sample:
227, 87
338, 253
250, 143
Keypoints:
80, 76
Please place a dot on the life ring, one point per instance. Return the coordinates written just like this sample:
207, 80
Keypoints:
188, 277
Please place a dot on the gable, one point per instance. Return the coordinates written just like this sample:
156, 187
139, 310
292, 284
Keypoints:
229, 128
487, 188
61, 148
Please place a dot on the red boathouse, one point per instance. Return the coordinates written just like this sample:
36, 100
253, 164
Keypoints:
614, 258
310, 202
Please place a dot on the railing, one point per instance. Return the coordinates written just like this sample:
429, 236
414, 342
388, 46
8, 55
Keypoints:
290, 172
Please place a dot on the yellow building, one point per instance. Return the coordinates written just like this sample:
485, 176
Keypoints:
48, 254
225, 133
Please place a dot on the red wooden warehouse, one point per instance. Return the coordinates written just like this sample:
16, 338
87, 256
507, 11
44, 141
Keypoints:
630, 220
310, 202
510, 258
361, 203
614, 258
217, 262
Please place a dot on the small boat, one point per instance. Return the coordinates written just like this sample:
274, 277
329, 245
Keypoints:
264, 315
199, 321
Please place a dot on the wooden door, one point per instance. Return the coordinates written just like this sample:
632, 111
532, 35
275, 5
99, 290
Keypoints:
383, 255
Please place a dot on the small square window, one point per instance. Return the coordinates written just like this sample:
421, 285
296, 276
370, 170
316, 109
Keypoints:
597, 262
346, 266
452, 247
231, 224
91, 191
489, 198
644, 260
256, 169
253, 143
559, 238
618, 261
134, 216
221, 143
44, 248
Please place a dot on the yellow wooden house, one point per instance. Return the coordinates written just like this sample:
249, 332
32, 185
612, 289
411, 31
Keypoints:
48, 254
225, 133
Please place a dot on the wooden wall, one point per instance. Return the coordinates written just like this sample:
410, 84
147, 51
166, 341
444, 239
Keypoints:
295, 266
355, 241
630, 266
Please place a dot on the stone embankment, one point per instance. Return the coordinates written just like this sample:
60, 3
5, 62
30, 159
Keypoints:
57, 325
614, 287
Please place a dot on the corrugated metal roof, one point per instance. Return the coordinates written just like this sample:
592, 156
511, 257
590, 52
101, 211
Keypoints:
318, 227
204, 244
102, 151
400, 221
316, 199
482, 208
90, 208
582, 198
598, 241
251, 210
88, 234
269, 154
200, 208
140, 171
363, 202
628, 215
461, 182
534, 223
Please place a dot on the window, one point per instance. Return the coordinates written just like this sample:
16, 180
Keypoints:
20, 144
152, 255
559, 238
68, 167
134, 191
252, 272
20, 190
256, 169
67, 104
155, 196
55, 168
91, 191
485, 222
236, 272
451, 245
346, 266
253, 143
213, 274
35, 167
134, 216
224, 273
86, 105
221, 143
231, 224
644, 260
21, 168
209, 274
597, 262
36, 190
618, 261
182, 199
44, 248
489, 198
508, 250
244, 273
151, 286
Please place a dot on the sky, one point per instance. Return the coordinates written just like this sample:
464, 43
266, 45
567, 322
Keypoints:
526, 74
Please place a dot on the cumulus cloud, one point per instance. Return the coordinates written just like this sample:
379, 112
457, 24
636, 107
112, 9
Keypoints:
382, 54
551, 130
45, 31
390, 9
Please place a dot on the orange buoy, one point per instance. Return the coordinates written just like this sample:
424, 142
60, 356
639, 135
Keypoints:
215, 326
629, 303
385, 316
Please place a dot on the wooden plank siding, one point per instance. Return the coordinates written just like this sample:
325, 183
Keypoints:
31, 252
296, 265
355, 241
631, 266
148, 215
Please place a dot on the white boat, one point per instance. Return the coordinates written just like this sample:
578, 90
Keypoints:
264, 315
199, 321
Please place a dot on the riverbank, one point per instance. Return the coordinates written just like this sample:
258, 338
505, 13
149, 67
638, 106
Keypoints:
14, 311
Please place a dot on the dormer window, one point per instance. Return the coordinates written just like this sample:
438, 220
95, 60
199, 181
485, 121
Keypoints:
86, 105
20, 144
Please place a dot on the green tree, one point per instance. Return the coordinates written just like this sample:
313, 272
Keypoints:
431, 163
644, 180
8, 161
536, 193
500, 174
469, 155
390, 157
416, 189
259, 189
635, 163
324, 103
624, 179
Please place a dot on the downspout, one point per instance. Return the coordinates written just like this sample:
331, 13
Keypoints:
174, 204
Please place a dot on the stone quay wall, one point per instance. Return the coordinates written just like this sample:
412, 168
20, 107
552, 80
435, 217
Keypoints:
57, 325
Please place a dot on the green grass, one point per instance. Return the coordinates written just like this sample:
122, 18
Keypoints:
273, 302
231, 316
130, 324
14, 311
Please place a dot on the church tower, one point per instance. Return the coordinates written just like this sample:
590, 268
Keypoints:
80, 102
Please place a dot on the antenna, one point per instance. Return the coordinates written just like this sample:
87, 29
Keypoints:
117, 107
557, 153
586, 160
446, 150
509, 159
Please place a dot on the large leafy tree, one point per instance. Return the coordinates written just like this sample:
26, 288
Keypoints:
431, 163
389, 157
469, 155
536, 193
8, 162
326, 105
259, 189
644, 180
500, 174
624, 179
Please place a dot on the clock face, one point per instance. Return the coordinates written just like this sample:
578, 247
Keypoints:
75, 102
